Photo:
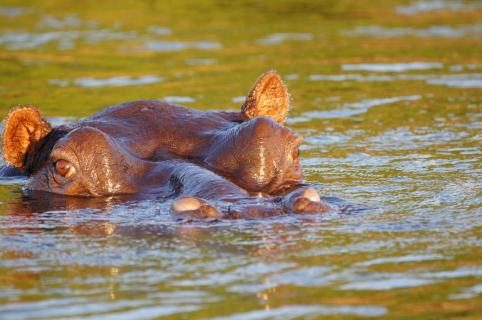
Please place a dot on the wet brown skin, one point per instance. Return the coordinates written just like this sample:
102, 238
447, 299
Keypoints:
171, 151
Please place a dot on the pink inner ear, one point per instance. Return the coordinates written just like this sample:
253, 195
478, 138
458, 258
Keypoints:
268, 97
23, 127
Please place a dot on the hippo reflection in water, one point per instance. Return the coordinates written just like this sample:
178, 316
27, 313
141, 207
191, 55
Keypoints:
214, 164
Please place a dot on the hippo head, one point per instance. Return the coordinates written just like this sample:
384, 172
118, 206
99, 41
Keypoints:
123, 149
80, 161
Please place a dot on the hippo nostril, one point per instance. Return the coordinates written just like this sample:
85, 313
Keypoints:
295, 153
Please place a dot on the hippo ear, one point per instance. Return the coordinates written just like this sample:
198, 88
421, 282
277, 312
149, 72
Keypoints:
268, 97
23, 127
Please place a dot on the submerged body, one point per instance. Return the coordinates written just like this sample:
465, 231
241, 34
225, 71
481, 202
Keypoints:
156, 147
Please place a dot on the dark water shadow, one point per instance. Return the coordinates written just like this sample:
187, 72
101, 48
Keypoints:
34, 202
147, 217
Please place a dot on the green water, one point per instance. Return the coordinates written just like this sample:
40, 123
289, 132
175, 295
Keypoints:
387, 95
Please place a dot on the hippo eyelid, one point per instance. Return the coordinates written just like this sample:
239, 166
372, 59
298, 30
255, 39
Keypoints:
65, 154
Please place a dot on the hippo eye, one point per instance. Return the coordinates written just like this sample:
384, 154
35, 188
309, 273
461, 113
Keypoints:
64, 168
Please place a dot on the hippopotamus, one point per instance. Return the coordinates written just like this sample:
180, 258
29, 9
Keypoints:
215, 164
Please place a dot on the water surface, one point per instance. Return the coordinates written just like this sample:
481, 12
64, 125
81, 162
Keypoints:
387, 95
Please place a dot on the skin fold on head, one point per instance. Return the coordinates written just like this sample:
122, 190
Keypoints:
160, 148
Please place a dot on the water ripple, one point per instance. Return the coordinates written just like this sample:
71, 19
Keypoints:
423, 6
392, 67
356, 108
119, 81
303, 311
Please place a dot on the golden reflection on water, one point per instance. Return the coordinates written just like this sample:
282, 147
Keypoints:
94, 228
113, 272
